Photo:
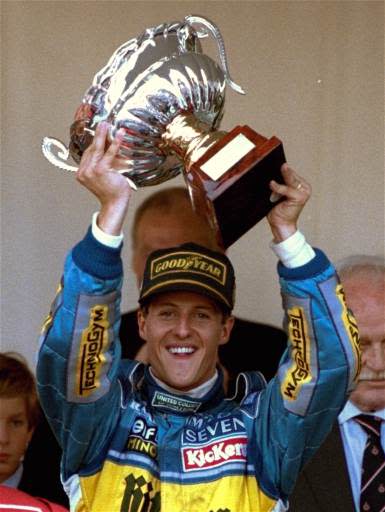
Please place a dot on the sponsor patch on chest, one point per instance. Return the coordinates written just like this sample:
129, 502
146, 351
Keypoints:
142, 438
214, 454
174, 403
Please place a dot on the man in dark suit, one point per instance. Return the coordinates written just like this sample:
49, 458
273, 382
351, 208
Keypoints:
41, 475
166, 219
331, 481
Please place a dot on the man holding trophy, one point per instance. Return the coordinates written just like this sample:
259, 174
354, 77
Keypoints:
163, 436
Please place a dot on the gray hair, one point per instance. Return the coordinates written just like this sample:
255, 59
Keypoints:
361, 265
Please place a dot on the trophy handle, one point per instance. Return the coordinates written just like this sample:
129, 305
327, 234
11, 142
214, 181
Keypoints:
63, 154
57, 153
214, 31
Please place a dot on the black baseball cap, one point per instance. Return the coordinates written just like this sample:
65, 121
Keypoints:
189, 267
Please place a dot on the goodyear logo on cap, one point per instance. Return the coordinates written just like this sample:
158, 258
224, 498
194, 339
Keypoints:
189, 262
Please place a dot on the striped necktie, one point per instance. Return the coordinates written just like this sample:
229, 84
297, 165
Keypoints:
372, 497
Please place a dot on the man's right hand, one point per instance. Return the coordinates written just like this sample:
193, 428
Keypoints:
96, 173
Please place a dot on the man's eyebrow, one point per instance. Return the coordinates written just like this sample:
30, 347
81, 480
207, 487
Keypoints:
174, 304
16, 415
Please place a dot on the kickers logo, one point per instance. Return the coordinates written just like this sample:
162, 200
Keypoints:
232, 449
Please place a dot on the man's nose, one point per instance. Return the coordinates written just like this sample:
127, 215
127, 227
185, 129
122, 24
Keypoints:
182, 327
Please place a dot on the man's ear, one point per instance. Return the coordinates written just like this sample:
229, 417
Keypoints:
135, 267
141, 316
227, 326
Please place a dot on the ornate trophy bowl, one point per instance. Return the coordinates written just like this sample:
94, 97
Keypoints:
147, 82
168, 97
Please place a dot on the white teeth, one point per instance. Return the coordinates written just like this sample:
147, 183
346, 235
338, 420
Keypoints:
369, 375
181, 350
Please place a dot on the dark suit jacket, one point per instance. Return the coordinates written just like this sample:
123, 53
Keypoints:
252, 346
41, 474
324, 485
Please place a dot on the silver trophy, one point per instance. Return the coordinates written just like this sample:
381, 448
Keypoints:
162, 91
168, 99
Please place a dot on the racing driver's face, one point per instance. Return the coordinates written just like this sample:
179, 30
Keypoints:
183, 331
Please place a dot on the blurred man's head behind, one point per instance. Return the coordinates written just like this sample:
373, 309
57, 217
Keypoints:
167, 219
363, 278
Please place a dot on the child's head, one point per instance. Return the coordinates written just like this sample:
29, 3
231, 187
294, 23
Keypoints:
19, 411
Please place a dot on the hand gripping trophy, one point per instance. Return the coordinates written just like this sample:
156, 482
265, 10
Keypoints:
169, 97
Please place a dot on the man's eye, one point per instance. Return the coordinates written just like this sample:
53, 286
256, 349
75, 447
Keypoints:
166, 314
17, 423
202, 316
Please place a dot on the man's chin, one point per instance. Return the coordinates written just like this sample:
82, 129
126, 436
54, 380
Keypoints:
182, 373
369, 395
183, 383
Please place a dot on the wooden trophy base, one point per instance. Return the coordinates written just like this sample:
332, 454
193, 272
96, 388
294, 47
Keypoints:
229, 184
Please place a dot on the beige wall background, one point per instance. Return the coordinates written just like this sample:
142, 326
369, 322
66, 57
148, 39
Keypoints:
314, 76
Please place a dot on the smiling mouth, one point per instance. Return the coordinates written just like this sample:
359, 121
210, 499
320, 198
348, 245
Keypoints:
181, 351
380, 377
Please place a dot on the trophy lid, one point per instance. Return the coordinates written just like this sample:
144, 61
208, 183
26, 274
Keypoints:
146, 83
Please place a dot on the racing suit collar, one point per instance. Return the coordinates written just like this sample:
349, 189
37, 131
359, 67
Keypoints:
163, 400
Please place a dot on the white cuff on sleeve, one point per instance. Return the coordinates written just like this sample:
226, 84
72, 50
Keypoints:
113, 241
294, 251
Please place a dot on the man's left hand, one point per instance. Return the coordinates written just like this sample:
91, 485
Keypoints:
284, 216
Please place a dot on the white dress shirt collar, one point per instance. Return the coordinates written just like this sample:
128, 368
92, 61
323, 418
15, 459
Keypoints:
14, 480
350, 411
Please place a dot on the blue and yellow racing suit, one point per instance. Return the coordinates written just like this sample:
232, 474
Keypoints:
131, 446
